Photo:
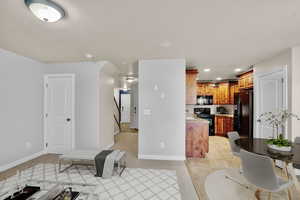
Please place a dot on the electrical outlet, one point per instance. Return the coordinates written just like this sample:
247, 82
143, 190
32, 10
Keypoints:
162, 145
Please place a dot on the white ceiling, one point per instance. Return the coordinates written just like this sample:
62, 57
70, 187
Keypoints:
220, 34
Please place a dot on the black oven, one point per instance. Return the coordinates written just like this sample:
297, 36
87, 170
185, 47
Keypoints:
204, 113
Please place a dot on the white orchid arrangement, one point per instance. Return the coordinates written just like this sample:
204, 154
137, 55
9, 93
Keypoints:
276, 120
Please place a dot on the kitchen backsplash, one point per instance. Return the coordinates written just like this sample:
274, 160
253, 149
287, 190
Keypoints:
213, 108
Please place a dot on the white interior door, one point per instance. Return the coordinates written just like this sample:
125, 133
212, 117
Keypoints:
59, 113
270, 97
125, 108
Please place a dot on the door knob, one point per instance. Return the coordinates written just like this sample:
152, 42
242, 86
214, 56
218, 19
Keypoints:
68, 119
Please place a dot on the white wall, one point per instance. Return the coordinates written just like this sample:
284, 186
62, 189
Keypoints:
21, 107
117, 94
108, 80
166, 123
86, 91
134, 106
295, 79
116, 108
91, 96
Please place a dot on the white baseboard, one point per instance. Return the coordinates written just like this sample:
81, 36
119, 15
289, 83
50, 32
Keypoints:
20, 161
159, 157
109, 146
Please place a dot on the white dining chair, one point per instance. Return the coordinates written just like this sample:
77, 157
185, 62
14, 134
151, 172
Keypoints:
297, 141
259, 170
232, 136
235, 150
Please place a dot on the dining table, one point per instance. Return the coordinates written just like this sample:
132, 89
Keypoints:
260, 146
290, 158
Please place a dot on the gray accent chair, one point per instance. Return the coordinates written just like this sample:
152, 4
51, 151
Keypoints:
232, 136
259, 170
297, 141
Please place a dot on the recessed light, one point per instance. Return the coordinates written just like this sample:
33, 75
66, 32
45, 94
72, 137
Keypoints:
238, 69
88, 55
130, 79
165, 44
45, 10
206, 70
218, 78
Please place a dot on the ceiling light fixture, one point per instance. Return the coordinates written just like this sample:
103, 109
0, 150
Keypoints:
238, 69
45, 10
206, 70
130, 79
218, 78
89, 56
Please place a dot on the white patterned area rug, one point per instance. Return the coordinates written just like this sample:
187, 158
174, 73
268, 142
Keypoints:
233, 189
134, 184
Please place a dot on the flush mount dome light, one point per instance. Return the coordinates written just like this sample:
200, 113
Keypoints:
45, 10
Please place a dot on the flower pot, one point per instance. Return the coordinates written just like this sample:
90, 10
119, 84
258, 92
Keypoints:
279, 148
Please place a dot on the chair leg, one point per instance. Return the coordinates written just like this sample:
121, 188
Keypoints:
270, 196
257, 194
237, 182
289, 194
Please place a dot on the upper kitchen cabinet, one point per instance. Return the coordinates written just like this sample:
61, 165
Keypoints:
191, 86
205, 89
246, 80
234, 89
222, 95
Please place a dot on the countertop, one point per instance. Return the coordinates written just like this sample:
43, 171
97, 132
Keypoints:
224, 115
196, 120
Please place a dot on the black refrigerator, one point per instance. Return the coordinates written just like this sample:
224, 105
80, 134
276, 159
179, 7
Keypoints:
243, 113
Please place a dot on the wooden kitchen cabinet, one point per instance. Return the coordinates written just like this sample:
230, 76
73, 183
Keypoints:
246, 80
191, 86
223, 125
205, 89
234, 88
201, 89
222, 94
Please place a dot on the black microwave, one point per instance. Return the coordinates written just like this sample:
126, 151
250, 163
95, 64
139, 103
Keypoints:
205, 100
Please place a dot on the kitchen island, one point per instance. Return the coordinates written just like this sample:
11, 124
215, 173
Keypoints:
197, 136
